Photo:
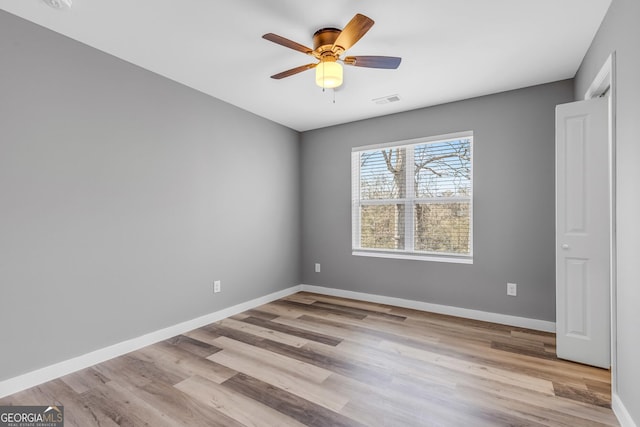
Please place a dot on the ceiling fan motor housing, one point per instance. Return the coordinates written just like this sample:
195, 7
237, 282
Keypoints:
324, 39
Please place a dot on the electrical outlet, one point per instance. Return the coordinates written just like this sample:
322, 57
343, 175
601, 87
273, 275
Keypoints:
216, 286
512, 289
317, 267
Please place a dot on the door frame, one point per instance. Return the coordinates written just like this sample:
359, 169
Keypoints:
604, 84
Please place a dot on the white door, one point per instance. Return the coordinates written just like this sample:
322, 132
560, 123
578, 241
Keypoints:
582, 232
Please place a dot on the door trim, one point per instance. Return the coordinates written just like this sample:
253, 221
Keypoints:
604, 84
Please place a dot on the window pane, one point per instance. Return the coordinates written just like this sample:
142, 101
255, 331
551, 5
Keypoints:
382, 174
443, 227
382, 226
443, 169
413, 198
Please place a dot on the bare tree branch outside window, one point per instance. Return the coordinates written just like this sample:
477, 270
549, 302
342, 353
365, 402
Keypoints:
440, 199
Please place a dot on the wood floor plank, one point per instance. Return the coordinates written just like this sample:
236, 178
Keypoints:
306, 308
319, 360
491, 391
359, 311
372, 306
297, 380
529, 412
396, 328
472, 369
282, 311
124, 407
598, 386
202, 334
197, 348
84, 380
260, 314
262, 332
391, 365
318, 355
273, 360
236, 406
301, 297
315, 355
181, 408
139, 368
545, 337
340, 331
234, 334
415, 402
579, 394
528, 350
362, 328
178, 362
305, 411
399, 403
295, 331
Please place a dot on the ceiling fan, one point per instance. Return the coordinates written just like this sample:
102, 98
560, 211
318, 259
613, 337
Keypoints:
328, 45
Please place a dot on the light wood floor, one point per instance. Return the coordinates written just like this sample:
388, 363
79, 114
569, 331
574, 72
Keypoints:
323, 361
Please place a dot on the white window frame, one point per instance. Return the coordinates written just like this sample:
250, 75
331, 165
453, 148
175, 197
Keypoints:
410, 201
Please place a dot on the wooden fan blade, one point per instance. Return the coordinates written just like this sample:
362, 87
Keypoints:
388, 62
287, 43
293, 71
352, 32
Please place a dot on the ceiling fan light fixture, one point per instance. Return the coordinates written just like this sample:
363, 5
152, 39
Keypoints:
329, 74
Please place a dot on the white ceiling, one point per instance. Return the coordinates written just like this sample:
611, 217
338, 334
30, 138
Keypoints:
450, 49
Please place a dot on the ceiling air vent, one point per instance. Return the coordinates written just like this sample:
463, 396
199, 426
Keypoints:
387, 99
59, 4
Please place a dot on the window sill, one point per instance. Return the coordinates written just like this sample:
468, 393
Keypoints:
413, 256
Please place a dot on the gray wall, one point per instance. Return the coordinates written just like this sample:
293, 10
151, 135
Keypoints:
123, 195
620, 32
513, 205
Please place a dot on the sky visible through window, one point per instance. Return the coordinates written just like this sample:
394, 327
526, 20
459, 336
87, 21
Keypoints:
441, 169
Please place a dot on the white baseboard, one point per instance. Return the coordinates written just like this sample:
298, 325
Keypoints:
621, 412
523, 322
48, 373
34, 378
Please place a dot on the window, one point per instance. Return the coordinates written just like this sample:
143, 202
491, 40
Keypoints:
413, 199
